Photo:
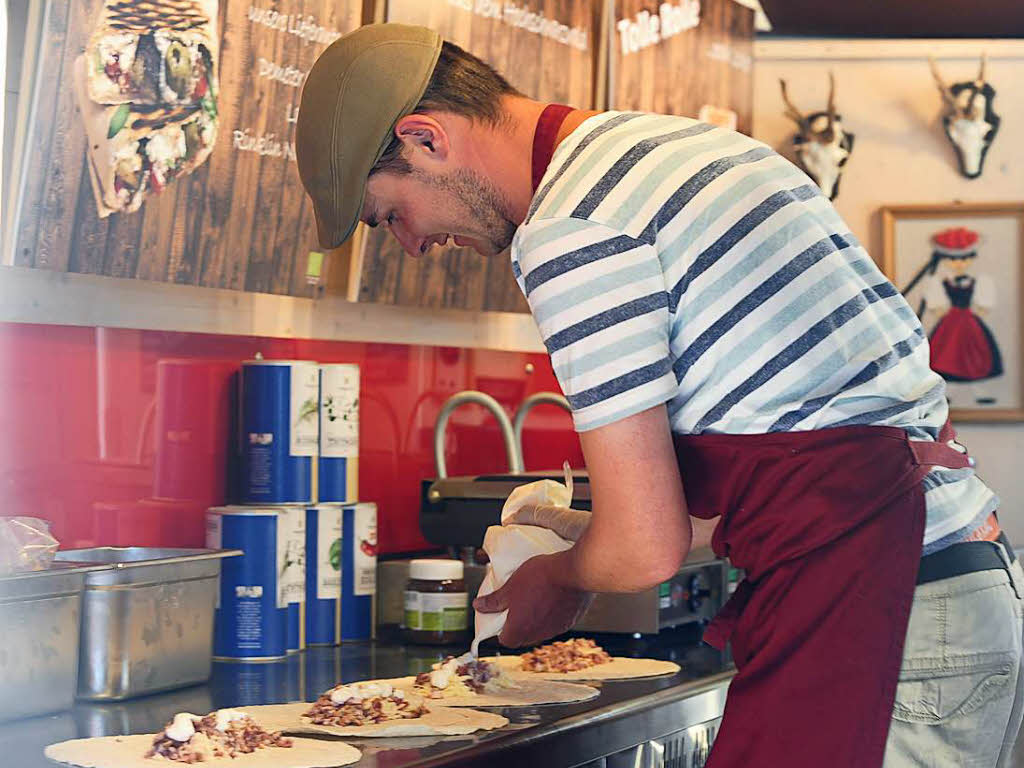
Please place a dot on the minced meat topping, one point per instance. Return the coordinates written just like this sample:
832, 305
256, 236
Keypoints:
225, 733
460, 677
364, 704
565, 656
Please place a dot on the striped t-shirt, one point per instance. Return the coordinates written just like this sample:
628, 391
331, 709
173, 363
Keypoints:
669, 261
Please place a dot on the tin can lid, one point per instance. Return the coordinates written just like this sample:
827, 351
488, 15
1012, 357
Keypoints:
435, 570
261, 361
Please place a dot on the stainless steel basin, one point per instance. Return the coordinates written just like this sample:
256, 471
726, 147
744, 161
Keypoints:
39, 650
147, 619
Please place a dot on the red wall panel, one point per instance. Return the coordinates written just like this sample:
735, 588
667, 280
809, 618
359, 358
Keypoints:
121, 436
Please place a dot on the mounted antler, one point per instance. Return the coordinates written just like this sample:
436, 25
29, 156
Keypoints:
791, 110
822, 145
831, 109
968, 118
947, 96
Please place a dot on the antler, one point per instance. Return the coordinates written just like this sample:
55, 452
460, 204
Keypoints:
791, 110
981, 70
831, 102
947, 96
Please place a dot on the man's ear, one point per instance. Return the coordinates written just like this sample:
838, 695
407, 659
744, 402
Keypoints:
423, 134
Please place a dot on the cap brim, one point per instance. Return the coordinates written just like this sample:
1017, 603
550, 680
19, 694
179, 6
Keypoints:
333, 234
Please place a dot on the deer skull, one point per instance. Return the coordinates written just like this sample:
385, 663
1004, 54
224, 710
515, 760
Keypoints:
822, 146
968, 117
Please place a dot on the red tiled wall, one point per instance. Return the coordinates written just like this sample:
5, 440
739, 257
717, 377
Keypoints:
86, 445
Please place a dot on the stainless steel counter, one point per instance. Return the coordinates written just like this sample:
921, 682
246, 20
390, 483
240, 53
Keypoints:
626, 713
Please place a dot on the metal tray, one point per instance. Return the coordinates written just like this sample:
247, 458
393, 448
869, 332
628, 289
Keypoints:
39, 654
147, 619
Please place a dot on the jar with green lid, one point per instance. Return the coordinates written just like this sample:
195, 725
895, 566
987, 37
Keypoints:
436, 602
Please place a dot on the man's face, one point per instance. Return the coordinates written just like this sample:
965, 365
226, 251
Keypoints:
429, 206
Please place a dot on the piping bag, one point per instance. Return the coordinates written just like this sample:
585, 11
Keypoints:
535, 520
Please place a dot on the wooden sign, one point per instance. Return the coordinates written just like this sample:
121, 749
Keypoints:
684, 57
547, 49
159, 141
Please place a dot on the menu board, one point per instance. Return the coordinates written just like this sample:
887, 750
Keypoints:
160, 141
547, 49
684, 57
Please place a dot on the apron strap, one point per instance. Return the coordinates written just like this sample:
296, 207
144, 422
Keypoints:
940, 453
544, 136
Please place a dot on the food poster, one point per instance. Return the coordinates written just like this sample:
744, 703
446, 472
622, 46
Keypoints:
684, 57
159, 141
547, 49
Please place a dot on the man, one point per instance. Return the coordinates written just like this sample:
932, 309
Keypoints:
718, 330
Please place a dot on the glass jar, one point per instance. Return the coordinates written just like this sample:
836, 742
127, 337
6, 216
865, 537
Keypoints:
436, 603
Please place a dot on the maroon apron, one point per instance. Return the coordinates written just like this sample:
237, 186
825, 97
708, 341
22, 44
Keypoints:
828, 526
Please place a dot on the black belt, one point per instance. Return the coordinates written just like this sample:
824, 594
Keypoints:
965, 557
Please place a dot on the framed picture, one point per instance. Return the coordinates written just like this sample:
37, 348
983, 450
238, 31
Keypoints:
961, 268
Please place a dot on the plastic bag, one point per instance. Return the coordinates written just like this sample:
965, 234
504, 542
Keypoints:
509, 545
25, 545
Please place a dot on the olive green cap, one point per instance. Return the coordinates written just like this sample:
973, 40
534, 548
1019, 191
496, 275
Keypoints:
359, 87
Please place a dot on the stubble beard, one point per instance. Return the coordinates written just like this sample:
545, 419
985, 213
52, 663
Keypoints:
482, 202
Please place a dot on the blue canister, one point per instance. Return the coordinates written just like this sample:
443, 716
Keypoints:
293, 575
323, 574
338, 460
249, 623
279, 430
358, 570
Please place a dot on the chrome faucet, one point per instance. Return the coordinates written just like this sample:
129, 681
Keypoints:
515, 464
537, 398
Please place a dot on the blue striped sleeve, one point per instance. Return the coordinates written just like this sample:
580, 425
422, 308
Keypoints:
599, 299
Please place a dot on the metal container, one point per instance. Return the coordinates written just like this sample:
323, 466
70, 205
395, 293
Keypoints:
39, 655
323, 574
147, 619
338, 473
251, 620
279, 430
358, 570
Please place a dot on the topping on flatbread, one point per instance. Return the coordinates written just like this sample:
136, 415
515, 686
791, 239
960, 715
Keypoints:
363, 704
565, 656
191, 738
462, 676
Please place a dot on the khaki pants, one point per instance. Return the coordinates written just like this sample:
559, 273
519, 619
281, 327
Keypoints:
960, 697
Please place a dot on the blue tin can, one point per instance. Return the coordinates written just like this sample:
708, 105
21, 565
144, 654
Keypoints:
249, 622
358, 570
338, 459
323, 574
279, 430
293, 576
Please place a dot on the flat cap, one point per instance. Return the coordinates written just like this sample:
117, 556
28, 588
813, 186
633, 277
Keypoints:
359, 87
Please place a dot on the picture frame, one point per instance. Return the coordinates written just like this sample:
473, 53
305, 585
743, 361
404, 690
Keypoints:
961, 268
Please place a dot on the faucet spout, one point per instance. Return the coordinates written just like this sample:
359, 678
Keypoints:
537, 398
515, 464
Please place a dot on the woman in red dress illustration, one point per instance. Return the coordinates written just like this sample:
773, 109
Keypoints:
963, 348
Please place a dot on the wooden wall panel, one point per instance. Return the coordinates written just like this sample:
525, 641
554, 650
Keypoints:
240, 220
711, 63
540, 67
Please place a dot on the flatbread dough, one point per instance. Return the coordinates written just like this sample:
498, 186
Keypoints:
129, 751
619, 668
440, 721
531, 692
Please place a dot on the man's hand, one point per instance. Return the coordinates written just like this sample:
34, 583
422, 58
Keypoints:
540, 606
